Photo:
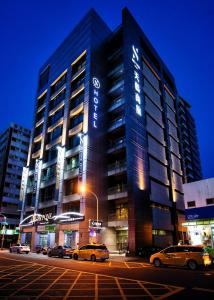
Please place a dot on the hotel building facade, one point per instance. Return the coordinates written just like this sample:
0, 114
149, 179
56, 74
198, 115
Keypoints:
105, 116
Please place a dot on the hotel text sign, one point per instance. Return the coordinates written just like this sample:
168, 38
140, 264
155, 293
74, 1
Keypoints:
96, 98
137, 88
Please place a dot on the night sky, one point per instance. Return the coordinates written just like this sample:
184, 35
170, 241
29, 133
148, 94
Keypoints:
181, 31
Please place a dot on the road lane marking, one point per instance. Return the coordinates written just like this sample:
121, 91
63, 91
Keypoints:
126, 265
15, 280
203, 290
120, 289
71, 287
3, 276
29, 283
96, 287
50, 285
146, 286
146, 290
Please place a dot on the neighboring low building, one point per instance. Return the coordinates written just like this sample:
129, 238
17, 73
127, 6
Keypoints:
199, 211
14, 143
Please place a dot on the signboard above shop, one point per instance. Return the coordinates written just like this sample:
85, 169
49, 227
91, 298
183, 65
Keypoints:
95, 224
200, 213
46, 219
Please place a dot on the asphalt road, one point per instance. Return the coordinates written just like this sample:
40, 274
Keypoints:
36, 276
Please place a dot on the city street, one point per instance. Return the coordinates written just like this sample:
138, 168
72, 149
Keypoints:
36, 276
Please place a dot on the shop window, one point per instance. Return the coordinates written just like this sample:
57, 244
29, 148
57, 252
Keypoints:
191, 203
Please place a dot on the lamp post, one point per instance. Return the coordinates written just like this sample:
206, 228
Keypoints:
3, 229
83, 190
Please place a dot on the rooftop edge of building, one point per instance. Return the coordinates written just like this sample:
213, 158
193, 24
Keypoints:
90, 14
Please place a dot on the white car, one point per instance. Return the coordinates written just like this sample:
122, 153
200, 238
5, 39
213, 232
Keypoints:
20, 248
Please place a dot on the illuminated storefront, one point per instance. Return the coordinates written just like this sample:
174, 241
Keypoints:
41, 230
200, 225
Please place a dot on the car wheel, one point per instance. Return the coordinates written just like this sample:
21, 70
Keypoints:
60, 255
49, 254
157, 262
93, 257
10, 250
75, 256
192, 265
70, 255
27, 252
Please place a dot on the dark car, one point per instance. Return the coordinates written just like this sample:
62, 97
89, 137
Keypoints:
60, 251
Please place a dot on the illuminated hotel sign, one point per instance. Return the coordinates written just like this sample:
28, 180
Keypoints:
95, 224
137, 88
96, 85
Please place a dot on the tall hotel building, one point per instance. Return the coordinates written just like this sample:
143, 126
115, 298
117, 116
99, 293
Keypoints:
189, 143
14, 143
106, 116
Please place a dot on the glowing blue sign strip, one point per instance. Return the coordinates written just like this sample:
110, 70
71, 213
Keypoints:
96, 85
137, 88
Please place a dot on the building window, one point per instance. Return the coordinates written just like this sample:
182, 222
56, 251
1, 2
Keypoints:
43, 78
122, 211
71, 187
58, 84
210, 201
74, 141
191, 203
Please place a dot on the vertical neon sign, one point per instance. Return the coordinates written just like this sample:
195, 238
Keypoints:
135, 60
96, 84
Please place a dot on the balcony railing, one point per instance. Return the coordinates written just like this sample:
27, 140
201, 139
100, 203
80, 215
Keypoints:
117, 189
77, 90
117, 165
116, 86
117, 217
117, 103
117, 123
117, 144
78, 72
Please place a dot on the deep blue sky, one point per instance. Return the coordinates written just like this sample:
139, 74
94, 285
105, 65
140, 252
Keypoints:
181, 31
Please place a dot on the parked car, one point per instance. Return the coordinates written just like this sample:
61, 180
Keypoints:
182, 255
60, 251
20, 248
91, 252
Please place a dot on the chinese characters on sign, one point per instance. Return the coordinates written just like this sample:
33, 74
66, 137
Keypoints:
137, 88
96, 85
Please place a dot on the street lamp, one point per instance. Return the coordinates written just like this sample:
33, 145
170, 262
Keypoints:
84, 190
3, 229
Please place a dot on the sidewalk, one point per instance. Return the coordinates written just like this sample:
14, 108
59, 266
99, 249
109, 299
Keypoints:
122, 257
